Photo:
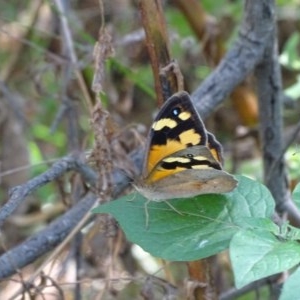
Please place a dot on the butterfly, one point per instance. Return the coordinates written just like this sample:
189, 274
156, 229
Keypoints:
182, 158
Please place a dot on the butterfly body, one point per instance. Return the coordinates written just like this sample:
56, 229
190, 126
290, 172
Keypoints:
182, 159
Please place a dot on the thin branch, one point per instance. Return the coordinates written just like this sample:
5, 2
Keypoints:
19, 193
235, 293
70, 48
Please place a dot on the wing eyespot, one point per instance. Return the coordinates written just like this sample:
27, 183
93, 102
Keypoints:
176, 111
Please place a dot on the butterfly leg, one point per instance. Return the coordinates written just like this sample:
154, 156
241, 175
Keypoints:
173, 208
146, 213
133, 197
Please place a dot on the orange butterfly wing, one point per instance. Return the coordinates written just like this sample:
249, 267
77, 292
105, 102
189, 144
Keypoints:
176, 127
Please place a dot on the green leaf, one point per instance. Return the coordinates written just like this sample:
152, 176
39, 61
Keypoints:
291, 288
42, 133
289, 232
293, 91
259, 223
289, 57
204, 227
256, 254
296, 195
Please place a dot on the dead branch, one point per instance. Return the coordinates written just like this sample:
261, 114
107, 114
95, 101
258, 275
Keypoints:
20, 192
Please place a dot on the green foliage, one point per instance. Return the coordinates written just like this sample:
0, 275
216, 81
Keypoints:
42, 133
204, 227
208, 224
296, 195
142, 78
177, 21
291, 287
293, 91
258, 253
202, 72
293, 162
290, 57
9, 11
223, 7
291, 60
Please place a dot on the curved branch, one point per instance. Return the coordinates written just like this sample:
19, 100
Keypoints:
246, 53
20, 192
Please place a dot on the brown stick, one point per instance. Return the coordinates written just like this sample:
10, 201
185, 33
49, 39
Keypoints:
158, 45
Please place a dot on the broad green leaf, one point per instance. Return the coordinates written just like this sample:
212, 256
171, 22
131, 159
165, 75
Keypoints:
259, 223
291, 288
204, 227
256, 254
